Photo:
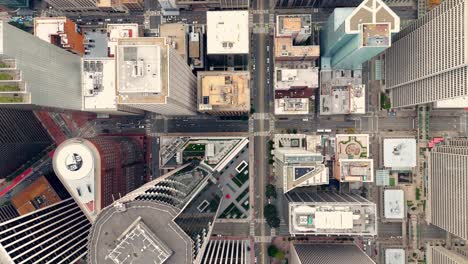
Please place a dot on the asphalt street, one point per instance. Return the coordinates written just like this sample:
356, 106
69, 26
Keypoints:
206, 125
261, 58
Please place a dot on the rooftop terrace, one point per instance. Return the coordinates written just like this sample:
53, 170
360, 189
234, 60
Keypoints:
224, 91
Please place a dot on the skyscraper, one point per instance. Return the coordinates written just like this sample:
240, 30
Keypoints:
447, 185
317, 3
352, 36
22, 137
441, 255
55, 234
328, 253
74, 6
152, 76
169, 219
226, 251
97, 171
428, 60
34, 73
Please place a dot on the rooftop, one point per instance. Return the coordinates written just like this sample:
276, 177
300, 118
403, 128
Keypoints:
298, 160
331, 214
301, 76
291, 106
352, 146
457, 102
61, 32
98, 43
349, 99
331, 253
161, 241
224, 91
118, 31
285, 49
139, 244
228, 32
394, 204
371, 12
76, 164
375, 35
289, 25
399, 152
355, 170
142, 70
38, 194
395, 256
176, 34
98, 82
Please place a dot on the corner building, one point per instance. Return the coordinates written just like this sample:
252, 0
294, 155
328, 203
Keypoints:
99, 170
447, 187
168, 220
428, 60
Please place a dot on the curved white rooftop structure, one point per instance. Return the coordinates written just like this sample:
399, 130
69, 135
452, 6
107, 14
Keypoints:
77, 163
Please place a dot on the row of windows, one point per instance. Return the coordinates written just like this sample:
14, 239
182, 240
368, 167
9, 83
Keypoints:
439, 87
447, 186
436, 46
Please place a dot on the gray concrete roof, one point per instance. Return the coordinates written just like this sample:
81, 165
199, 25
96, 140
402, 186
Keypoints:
158, 218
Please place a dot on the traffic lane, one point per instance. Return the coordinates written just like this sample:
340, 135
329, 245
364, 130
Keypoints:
188, 125
446, 123
231, 229
259, 74
396, 123
314, 124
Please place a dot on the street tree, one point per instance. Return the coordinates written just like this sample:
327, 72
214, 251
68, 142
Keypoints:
270, 191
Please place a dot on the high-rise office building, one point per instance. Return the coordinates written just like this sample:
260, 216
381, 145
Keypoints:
22, 137
447, 185
352, 36
168, 220
74, 6
441, 255
226, 251
317, 3
328, 253
34, 73
97, 171
55, 234
331, 214
152, 76
428, 59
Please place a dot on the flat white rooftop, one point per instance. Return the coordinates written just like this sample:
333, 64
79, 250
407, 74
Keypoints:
395, 256
292, 106
76, 163
394, 204
117, 31
98, 82
458, 102
139, 68
400, 152
44, 27
228, 32
286, 78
